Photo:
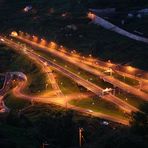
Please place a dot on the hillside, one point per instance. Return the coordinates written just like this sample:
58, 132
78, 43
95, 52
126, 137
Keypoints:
51, 20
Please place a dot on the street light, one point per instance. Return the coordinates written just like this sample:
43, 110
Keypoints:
130, 69
35, 38
27, 36
91, 15
14, 33
43, 42
53, 45
90, 55
109, 64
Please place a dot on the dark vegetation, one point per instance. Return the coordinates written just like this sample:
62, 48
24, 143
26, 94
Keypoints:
36, 124
50, 19
12, 61
2, 79
139, 121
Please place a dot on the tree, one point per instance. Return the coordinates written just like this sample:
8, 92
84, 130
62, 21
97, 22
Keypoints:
139, 121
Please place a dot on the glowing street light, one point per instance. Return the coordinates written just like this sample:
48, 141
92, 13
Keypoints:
90, 55
21, 33
35, 38
130, 69
27, 36
43, 42
109, 64
62, 49
53, 45
14, 33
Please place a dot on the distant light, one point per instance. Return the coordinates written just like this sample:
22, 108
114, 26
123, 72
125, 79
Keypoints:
27, 8
91, 15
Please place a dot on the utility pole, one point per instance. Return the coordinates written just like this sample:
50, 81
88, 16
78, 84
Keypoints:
44, 144
80, 136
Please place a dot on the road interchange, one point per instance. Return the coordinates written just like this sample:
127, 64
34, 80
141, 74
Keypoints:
93, 71
90, 86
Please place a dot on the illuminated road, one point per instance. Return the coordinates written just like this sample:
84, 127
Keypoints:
61, 102
95, 63
106, 66
64, 103
90, 86
52, 80
3, 92
113, 81
107, 25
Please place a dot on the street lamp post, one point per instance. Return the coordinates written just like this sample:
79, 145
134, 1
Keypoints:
80, 136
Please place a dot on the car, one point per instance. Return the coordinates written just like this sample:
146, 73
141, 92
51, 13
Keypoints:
89, 110
2, 40
105, 123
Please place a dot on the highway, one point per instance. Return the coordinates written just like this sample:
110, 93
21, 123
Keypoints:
17, 91
88, 85
64, 103
113, 81
52, 79
108, 25
95, 63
